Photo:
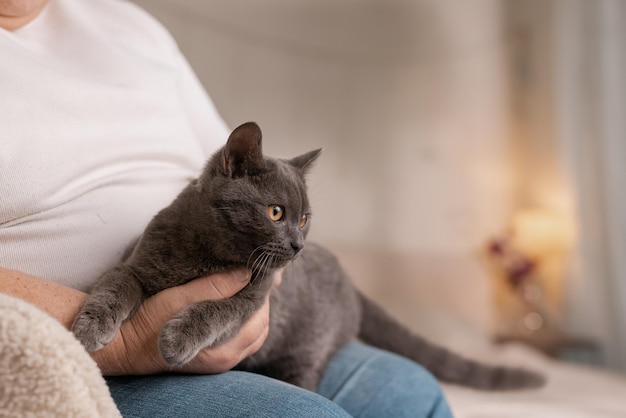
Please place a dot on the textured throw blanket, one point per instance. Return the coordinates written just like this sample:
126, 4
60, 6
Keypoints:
44, 371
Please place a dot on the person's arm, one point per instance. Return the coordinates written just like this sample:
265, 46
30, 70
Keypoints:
134, 349
63, 303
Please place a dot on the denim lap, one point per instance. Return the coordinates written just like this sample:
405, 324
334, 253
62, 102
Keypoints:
362, 380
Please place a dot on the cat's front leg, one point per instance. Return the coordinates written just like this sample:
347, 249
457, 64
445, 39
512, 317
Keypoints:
202, 325
113, 299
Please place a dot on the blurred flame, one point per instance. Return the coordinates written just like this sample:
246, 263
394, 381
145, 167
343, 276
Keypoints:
542, 233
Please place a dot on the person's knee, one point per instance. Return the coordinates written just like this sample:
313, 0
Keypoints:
411, 387
385, 384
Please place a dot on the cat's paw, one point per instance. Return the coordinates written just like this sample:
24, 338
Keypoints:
181, 340
94, 328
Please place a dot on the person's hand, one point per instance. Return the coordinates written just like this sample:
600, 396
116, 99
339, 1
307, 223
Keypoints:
135, 348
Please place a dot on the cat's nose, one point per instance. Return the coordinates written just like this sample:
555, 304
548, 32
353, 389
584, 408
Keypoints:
297, 246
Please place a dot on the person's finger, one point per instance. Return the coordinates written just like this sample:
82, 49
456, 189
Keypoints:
215, 286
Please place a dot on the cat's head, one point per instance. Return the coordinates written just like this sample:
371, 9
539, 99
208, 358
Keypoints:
259, 202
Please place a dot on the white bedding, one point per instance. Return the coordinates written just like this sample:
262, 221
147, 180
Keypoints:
572, 391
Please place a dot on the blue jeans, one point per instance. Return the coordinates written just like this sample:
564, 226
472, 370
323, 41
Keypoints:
360, 381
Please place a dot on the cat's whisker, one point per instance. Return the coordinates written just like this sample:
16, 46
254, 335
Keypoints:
252, 257
270, 262
262, 263
266, 263
262, 248
258, 262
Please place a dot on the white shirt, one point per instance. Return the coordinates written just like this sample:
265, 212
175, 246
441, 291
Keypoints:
102, 123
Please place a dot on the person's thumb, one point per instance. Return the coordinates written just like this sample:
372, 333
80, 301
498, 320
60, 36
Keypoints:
215, 286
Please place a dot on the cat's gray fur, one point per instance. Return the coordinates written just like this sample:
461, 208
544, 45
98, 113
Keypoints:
220, 222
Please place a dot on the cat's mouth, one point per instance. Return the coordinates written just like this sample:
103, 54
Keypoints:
271, 256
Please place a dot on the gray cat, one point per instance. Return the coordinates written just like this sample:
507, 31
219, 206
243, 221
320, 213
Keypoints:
249, 210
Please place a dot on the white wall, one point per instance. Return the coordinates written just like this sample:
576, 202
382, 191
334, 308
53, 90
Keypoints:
409, 100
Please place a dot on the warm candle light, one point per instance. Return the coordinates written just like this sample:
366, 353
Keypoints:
529, 268
541, 233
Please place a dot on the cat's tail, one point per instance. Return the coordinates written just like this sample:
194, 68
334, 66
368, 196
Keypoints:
381, 330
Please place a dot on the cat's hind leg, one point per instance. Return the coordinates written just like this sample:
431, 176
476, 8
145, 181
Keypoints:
115, 296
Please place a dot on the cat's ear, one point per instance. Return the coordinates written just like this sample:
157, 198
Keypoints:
304, 161
242, 154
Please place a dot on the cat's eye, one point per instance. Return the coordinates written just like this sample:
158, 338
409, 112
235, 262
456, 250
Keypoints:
303, 220
275, 212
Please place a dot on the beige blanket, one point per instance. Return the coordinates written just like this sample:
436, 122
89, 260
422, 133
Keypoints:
44, 371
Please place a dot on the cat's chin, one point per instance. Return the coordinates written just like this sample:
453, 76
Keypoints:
269, 264
285, 261
274, 257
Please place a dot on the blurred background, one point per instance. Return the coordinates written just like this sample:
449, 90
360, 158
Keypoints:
474, 151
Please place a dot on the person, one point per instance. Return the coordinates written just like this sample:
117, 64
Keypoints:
102, 123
